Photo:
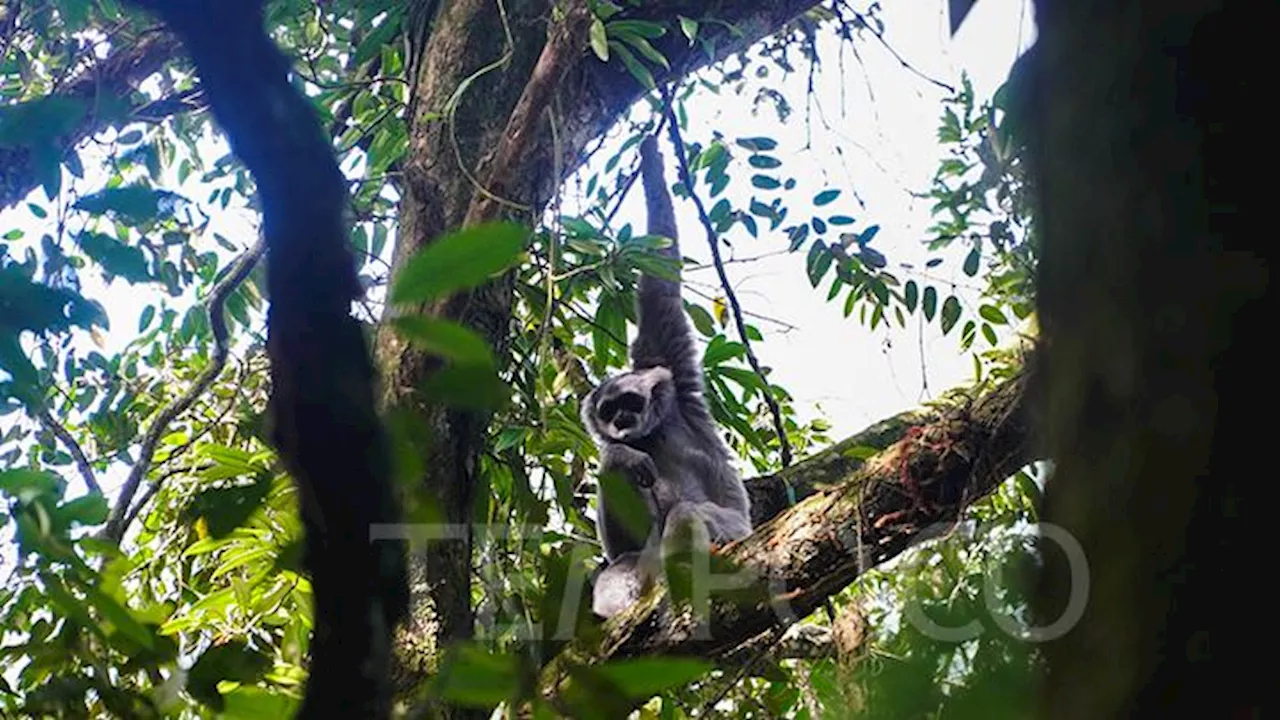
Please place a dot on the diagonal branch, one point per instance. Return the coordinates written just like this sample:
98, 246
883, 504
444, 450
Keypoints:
73, 447
860, 518
116, 524
713, 240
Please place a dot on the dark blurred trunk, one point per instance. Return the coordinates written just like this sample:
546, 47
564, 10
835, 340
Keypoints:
1150, 301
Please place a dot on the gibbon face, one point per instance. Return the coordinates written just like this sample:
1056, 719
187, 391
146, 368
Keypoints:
633, 405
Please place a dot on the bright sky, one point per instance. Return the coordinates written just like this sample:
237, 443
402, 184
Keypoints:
881, 145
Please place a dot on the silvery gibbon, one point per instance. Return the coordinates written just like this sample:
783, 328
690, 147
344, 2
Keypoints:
653, 428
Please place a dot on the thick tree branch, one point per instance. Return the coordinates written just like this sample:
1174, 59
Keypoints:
326, 429
562, 50
864, 515
107, 83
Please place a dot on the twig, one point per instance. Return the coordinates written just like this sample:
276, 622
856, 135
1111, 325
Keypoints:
73, 447
686, 179
740, 261
777, 631
862, 20
786, 326
217, 299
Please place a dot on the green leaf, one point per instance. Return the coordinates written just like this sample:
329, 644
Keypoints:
644, 48
992, 314
634, 66
701, 319
764, 182
950, 313
748, 379
116, 258
26, 485
818, 262
689, 27
131, 204
798, 235
599, 40
447, 339
374, 42
509, 438
75, 14
121, 620
638, 28
471, 387
911, 295
720, 350
232, 660
144, 320
764, 162
757, 144
226, 508
474, 677
626, 505
647, 676
989, 333
967, 335
826, 197
459, 260
248, 702
930, 305
971, 262
88, 510
41, 121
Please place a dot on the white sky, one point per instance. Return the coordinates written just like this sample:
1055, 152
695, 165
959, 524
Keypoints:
881, 146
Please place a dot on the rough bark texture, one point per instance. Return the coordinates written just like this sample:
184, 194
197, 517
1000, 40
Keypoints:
585, 97
910, 491
1151, 294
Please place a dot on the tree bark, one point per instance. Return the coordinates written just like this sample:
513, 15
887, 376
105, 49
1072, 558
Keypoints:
851, 522
1151, 298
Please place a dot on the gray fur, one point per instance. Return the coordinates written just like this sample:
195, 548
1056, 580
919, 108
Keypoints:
653, 426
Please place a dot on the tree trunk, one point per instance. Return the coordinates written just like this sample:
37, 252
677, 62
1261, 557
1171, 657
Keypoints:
1150, 298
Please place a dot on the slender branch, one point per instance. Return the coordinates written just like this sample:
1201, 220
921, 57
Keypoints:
186, 101
116, 524
686, 178
73, 447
